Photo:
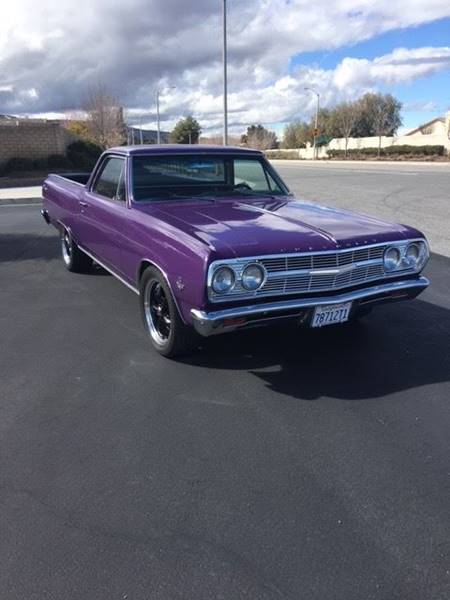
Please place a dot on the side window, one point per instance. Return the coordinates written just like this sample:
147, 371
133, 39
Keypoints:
250, 173
111, 181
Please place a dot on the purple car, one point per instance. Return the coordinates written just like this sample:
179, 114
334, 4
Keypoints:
211, 240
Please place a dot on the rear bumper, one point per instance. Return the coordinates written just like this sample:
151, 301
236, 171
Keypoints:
45, 216
229, 319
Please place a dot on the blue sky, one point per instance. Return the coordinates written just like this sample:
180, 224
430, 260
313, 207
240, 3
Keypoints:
425, 97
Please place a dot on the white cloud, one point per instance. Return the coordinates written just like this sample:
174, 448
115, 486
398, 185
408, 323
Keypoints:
51, 51
286, 97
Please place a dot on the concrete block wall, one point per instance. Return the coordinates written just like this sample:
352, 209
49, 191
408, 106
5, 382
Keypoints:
32, 140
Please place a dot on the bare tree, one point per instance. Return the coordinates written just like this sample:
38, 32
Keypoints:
380, 114
260, 138
217, 140
105, 117
346, 116
380, 122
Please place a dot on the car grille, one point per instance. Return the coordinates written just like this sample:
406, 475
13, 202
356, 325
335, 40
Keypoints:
305, 273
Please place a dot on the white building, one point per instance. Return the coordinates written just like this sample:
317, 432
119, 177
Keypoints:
437, 126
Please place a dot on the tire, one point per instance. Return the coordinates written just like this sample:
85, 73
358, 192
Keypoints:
168, 334
75, 260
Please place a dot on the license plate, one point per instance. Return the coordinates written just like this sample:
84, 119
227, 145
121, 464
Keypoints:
329, 315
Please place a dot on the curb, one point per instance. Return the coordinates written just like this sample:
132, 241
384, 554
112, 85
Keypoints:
19, 201
322, 161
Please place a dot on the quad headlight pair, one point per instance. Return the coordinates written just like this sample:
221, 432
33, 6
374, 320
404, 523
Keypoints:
251, 279
413, 256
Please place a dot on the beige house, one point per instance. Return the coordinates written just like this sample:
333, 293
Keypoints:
438, 126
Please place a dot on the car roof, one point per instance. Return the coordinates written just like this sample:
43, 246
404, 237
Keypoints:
146, 149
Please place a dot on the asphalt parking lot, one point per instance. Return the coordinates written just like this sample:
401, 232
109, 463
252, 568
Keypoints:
268, 465
410, 193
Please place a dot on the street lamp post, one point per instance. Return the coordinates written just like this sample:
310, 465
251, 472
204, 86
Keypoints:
225, 85
158, 120
316, 122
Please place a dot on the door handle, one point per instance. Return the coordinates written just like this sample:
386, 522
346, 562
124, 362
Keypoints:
82, 203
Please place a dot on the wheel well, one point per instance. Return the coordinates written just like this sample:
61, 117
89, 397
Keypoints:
144, 265
148, 263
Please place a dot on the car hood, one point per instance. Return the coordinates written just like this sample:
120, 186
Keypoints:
251, 227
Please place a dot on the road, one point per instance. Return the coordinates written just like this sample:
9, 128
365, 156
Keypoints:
407, 193
267, 465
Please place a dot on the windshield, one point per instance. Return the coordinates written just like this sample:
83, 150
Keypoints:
187, 176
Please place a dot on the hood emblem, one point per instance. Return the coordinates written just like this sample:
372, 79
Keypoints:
336, 271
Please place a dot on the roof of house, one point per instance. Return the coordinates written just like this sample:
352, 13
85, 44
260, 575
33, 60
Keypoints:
427, 124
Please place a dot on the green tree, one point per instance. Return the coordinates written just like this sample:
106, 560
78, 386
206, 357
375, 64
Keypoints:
79, 128
260, 138
296, 134
186, 131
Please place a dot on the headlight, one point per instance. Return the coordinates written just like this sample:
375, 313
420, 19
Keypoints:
416, 255
391, 259
223, 280
253, 277
412, 255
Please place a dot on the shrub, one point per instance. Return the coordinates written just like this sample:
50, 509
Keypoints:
58, 161
83, 154
40, 164
288, 155
18, 163
401, 150
415, 150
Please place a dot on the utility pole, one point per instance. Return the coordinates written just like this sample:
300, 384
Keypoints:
225, 86
140, 130
158, 134
158, 92
316, 121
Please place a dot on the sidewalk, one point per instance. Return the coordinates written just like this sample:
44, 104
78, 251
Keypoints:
31, 195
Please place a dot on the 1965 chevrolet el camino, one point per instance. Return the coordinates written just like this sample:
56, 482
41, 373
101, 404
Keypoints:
212, 240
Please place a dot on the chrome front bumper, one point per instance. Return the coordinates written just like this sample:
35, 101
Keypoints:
221, 321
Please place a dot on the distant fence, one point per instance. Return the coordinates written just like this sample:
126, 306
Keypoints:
363, 142
32, 140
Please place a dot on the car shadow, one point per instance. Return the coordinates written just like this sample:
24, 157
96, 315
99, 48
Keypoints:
25, 246
397, 347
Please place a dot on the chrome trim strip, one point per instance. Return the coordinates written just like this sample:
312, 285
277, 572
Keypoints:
113, 273
210, 323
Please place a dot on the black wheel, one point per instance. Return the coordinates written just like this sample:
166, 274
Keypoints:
168, 334
74, 258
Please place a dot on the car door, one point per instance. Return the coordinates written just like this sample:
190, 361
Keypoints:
104, 212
